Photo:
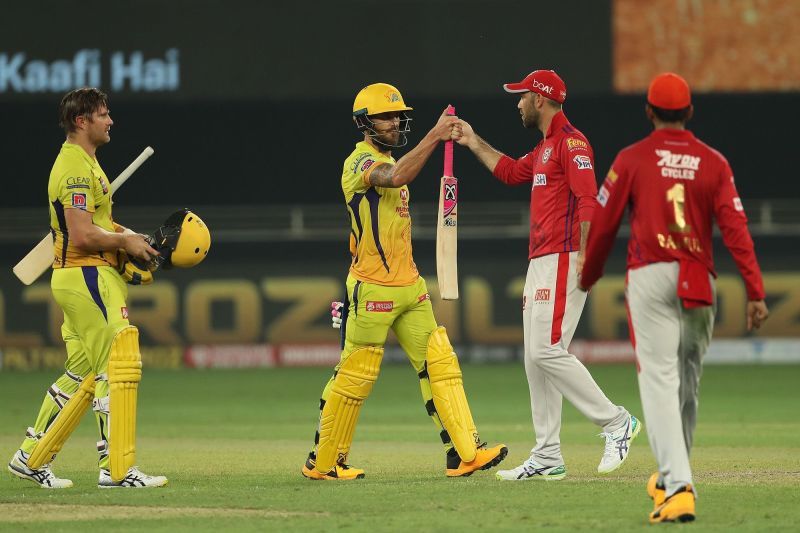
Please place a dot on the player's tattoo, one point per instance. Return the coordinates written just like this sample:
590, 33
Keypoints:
381, 176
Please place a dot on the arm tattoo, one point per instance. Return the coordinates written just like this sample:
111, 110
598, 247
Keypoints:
381, 176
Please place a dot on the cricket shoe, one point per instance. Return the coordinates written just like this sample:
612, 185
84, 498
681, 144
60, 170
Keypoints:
135, 479
656, 490
677, 508
532, 469
485, 458
618, 445
44, 477
340, 471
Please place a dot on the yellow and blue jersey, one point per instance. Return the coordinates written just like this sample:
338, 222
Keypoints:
78, 182
380, 222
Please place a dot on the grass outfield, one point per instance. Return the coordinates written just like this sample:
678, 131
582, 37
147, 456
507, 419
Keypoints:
232, 443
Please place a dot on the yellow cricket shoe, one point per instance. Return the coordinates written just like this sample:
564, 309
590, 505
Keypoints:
677, 508
656, 491
339, 472
485, 458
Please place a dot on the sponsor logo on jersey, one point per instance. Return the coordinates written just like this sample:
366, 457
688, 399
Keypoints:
602, 195
423, 297
576, 144
368, 163
612, 176
103, 184
358, 160
737, 204
541, 295
546, 154
380, 307
79, 200
539, 179
404, 195
76, 181
124, 312
584, 162
677, 166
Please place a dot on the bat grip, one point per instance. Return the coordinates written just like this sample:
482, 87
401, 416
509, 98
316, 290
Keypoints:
448, 149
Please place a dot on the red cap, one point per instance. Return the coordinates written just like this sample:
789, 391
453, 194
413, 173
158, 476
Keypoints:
669, 91
544, 82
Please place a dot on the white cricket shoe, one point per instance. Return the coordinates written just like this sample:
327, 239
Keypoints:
44, 477
135, 478
532, 469
618, 445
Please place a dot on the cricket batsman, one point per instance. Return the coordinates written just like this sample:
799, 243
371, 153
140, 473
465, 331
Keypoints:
385, 291
95, 259
674, 186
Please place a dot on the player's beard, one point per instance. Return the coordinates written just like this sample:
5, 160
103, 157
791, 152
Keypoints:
387, 140
531, 120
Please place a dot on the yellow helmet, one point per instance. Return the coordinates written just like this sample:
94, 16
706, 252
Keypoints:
183, 241
378, 98
381, 98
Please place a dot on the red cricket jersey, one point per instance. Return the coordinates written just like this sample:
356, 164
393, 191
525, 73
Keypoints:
675, 186
564, 189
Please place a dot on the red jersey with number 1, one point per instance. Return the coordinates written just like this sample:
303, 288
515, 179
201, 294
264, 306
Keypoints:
676, 186
563, 191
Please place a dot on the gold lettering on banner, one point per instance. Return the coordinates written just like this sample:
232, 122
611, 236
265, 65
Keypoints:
479, 321
15, 339
154, 310
731, 299
246, 315
608, 317
784, 314
41, 293
447, 312
312, 298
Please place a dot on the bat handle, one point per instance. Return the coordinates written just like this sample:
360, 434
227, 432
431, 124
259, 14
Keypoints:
448, 149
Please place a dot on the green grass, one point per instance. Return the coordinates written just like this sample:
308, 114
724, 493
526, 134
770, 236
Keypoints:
232, 443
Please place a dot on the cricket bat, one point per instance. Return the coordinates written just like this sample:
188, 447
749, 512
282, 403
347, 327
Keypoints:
40, 259
447, 228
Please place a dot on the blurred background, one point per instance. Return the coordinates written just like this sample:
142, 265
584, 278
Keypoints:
248, 107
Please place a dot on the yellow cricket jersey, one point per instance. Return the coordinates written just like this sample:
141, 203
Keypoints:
380, 222
78, 182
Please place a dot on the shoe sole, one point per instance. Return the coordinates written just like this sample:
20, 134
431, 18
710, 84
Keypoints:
491, 464
327, 478
22, 475
683, 518
633, 436
557, 477
133, 487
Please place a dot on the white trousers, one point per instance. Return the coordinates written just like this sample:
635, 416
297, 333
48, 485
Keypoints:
670, 342
552, 305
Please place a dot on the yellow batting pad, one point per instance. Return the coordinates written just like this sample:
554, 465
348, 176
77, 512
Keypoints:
337, 422
124, 374
447, 387
62, 427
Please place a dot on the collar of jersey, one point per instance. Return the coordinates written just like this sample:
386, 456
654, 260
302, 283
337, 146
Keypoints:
81, 151
673, 133
558, 122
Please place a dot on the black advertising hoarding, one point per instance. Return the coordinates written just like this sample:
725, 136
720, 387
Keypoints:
248, 49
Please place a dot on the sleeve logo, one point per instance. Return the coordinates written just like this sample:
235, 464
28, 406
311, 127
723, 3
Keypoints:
737, 204
576, 144
584, 162
368, 163
79, 200
602, 195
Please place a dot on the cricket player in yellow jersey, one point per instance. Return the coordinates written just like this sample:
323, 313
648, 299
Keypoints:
385, 290
103, 366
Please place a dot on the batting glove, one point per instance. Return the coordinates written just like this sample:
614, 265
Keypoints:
336, 314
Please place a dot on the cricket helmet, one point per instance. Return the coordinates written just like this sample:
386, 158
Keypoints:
380, 98
183, 240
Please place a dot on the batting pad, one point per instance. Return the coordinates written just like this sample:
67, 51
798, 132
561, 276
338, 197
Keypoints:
447, 387
124, 374
62, 427
337, 422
